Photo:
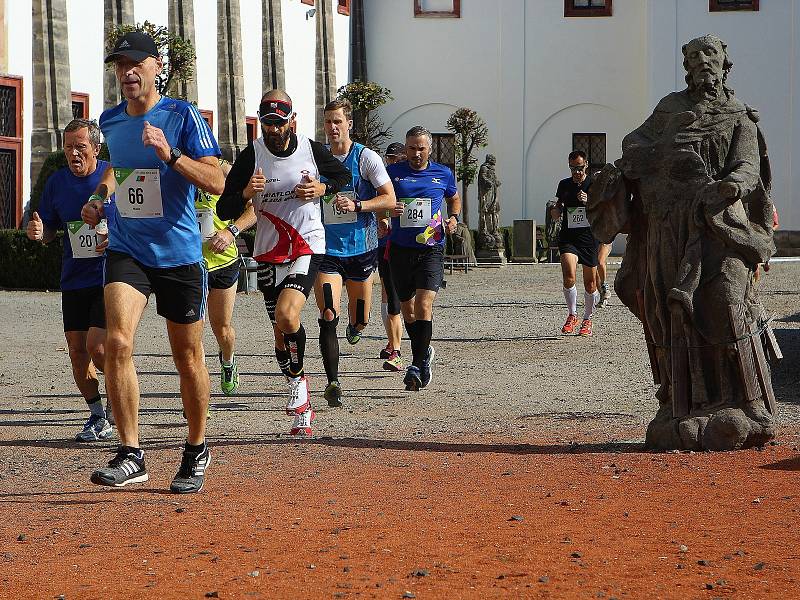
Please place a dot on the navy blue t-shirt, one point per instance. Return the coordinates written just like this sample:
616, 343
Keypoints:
64, 196
423, 192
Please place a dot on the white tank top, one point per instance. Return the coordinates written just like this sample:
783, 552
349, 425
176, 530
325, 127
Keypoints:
287, 227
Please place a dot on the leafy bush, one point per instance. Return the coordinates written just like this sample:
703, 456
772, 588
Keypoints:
29, 265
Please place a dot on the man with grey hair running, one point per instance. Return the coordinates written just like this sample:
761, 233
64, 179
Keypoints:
82, 265
416, 244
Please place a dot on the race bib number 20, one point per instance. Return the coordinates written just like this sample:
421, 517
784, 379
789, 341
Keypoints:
139, 193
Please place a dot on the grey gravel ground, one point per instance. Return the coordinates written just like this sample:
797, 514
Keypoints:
502, 370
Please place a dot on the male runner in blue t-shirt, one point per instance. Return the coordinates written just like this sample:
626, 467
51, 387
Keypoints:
82, 309
416, 244
160, 150
351, 241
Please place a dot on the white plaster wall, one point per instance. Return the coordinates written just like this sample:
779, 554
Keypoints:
434, 66
299, 47
341, 42
205, 40
578, 79
251, 54
761, 45
517, 63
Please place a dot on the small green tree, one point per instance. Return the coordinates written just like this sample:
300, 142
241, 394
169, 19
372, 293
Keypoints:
366, 97
177, 54
471, 133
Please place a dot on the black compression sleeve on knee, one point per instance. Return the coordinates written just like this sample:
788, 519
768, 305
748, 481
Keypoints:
329, 348
327, 297
423, 331
360, 312
296, 345
282, 356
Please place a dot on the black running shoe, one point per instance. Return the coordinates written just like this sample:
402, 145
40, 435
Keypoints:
192, 473
412, 379
426, 372
126, 467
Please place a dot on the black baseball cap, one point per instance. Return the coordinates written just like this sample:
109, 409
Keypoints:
135, 45
395, 149
274, 111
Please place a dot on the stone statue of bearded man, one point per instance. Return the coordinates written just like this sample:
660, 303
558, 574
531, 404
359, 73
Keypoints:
692, 192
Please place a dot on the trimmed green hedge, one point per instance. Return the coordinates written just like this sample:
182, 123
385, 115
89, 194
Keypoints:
25, 264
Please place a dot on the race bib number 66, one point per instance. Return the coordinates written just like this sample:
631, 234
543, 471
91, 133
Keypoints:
139, 193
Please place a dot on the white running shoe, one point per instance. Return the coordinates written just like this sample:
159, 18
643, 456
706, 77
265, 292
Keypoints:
302, 423
299, 398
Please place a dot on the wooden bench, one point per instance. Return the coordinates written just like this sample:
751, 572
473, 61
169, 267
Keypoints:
459, 260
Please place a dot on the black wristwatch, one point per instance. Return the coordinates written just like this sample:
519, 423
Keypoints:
357, 202
234, 230
174, 154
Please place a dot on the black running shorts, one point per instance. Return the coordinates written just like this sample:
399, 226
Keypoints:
350, 268
587, 255
180, 291
83, 309
273, 279
224, 277
416, 269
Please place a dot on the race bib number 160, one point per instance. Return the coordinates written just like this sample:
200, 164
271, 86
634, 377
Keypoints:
138, 194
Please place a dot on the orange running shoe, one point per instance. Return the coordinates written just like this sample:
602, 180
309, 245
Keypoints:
569, 326
586, 328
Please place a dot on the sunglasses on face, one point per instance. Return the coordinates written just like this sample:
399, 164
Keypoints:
577, 169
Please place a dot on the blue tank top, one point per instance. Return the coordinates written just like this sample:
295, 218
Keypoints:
361, 235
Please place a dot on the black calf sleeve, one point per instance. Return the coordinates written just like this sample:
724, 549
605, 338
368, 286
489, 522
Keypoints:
282, 357
296, 345
329, 348
423, 331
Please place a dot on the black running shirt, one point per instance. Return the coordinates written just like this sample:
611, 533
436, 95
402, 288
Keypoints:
574, 225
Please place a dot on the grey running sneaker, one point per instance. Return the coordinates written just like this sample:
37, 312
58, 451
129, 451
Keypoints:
192, 473
333, 394
126, 467
412, 379
352, 334
605, 294
426, 373
95, 429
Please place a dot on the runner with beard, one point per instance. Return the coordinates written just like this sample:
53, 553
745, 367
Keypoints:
280, 172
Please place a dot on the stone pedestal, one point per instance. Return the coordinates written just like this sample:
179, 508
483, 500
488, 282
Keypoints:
325, 87
181, 23
272, 64
117, 12
52, 101
492, 257
524, 249
231, 124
